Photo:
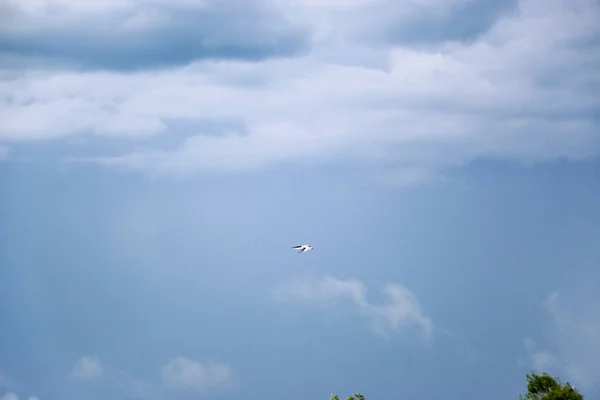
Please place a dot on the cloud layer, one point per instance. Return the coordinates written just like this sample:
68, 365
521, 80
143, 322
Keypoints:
131, 35
521, 86
399, 310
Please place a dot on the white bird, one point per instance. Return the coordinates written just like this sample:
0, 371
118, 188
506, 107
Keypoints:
302, 248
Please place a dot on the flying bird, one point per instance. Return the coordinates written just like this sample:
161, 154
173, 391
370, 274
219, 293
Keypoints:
302, 248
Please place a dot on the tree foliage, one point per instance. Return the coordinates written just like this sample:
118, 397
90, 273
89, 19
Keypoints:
545, 387
539, 387
356, 396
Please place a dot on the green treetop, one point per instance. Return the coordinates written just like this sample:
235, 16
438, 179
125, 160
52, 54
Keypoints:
539, 387
356, 396
545, 387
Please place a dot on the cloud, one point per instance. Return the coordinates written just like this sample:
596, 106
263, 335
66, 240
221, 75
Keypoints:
399, 310
13, 396
130, 35
87, 368
9, 385
184, 374
522, 89
540, 360
576, 334
572, 340
179, 374
419, 22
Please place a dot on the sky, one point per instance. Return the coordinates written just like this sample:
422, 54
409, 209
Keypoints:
158, 159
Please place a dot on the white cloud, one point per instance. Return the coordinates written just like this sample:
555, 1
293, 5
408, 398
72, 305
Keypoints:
185, 374
88, 368
399, 310
179, 374
9, 385
523, 90
573, 340
539, 360
13, 396
576, 334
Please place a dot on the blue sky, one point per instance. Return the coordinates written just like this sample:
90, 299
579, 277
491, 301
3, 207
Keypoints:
159, 158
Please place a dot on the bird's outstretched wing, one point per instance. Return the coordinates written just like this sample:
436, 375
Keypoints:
297, 247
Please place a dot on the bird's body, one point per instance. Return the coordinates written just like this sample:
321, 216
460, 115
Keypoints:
302, 248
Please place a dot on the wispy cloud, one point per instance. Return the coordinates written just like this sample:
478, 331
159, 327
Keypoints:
180, 375
88, 368
399, 310
572, 340
539, 360
576, 334
184, 374
8, 386
520, 86
13, 396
